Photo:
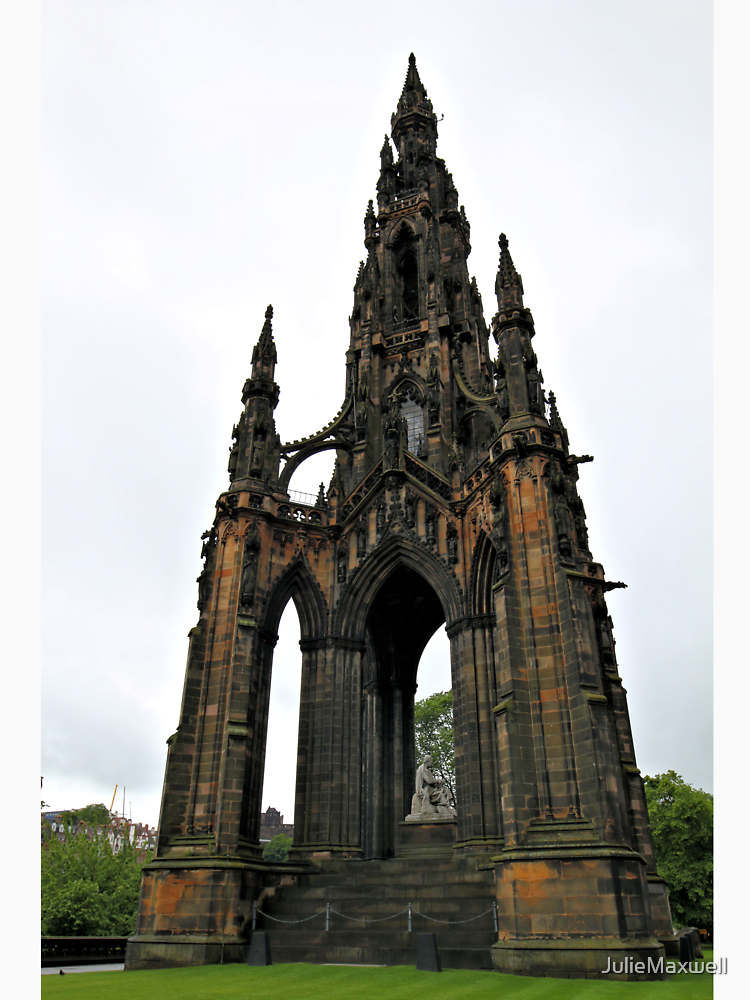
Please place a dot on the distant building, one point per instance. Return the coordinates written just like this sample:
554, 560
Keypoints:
272, 824
119, 829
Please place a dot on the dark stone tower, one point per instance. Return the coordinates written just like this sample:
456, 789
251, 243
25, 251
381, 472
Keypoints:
453, 502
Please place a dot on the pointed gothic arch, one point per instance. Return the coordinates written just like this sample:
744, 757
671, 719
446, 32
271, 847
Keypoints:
298, 583
483, 576
350, 615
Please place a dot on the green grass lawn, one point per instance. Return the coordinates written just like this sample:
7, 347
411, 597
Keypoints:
328, 982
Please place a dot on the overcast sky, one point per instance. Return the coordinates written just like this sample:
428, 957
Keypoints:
202, 160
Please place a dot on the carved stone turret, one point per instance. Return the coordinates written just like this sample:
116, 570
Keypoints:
255, 452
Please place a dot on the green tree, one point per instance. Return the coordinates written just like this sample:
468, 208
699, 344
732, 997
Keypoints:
95, 814
277, 849
433, 734
682, 819
87, 889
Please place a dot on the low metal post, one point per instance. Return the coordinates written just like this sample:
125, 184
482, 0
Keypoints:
494, 914
410, 918
255, 913
328, 914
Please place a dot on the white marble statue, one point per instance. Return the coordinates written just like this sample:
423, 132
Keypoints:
432, 798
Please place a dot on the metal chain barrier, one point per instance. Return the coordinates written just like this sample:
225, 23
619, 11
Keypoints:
373, 920
467, 921
280, 920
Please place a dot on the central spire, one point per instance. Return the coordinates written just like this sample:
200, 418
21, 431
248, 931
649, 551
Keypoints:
414, 111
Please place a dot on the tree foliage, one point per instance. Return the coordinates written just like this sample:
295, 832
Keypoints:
682, 826
87, 889
277, 849
95, 814
433, 734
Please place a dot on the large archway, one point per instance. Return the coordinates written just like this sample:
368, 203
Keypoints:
279, 775
404, 615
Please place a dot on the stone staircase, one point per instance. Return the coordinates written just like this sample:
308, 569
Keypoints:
448, 888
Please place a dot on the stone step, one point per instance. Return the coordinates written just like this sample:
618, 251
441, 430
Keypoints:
388, 904
373, 938
457, 951
412, 863
405, 878
409, 893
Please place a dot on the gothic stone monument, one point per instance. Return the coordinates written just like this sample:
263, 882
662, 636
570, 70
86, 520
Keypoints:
454, 502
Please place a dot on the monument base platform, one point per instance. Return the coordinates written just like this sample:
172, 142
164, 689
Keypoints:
571, 904
605, 958
151, 952
428, 838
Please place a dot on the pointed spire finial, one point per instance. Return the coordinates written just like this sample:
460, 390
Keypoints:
414, 106
412, 81
265, 349
508, 283
554, 418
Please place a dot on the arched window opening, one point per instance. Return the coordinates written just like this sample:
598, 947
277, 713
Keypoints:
413, 414
409, 287
279, 775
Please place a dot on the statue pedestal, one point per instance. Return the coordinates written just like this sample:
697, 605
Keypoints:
429, 838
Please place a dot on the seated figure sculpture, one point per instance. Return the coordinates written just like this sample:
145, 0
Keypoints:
432, 798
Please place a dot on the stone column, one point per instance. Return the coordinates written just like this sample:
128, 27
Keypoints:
328, 776
476, 770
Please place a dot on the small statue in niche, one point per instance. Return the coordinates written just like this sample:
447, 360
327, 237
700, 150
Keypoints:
343, 559
519, 443
608, 650
361, 418
498, 490
432, 799
451, 539
433, 390
557, 480
433, 375
380, 519
534, 393
433, 407
209, 540
564, 525
249, 569
410, 506
429, 525
391, 436
457, 454
233, 456
361, 538
202, 582
259, 452
234, 450
500, 541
